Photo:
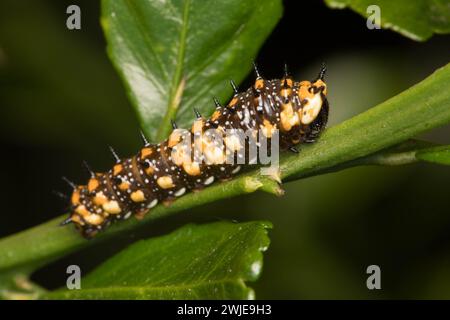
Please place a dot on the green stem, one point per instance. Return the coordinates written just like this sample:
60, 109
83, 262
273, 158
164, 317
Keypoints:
402, 154
354, 142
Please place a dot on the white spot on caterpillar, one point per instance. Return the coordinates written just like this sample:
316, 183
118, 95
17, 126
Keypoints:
209, 180
236, 170
152, 204
180, 192
127, 215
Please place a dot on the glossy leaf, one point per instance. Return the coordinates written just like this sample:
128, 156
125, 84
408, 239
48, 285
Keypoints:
210, 261
417, 20
174, 55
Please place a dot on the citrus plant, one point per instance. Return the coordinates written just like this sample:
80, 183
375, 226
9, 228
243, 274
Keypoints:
175, 55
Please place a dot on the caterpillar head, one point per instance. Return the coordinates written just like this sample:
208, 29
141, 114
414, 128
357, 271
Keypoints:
312, 96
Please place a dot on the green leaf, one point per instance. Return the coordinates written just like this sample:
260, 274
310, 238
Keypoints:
210, 261
417, 19
439, 155
176, 55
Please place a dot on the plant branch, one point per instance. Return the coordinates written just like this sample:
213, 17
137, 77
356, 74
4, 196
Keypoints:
357, 141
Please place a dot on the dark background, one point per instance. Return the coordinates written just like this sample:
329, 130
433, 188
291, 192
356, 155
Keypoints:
61, 102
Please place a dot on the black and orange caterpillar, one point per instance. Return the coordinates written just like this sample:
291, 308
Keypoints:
160, 173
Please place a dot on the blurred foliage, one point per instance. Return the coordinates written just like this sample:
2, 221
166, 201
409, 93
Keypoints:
176, 55
210, 261
417, 20
327, 228
56, 87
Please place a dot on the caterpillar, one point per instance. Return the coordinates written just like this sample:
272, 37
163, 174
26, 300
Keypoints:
161, 172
